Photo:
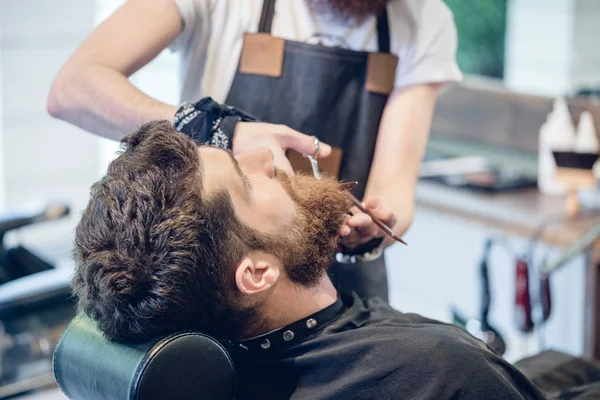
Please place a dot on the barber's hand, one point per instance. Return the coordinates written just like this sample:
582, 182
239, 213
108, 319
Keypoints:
360, 228
253, 135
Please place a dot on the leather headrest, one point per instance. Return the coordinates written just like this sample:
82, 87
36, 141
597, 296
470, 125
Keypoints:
186, 365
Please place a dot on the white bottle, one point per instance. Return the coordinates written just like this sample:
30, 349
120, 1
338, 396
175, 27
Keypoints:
586, 140
556, 134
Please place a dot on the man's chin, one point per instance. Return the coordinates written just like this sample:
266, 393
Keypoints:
323, 206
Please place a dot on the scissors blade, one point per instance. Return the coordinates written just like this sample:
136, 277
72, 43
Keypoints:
314, 166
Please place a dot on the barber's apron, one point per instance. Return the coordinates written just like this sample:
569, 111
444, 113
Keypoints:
335, 94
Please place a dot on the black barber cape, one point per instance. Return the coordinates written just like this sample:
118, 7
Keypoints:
358, 349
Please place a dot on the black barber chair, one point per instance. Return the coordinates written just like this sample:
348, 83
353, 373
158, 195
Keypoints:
185, 365
190, 365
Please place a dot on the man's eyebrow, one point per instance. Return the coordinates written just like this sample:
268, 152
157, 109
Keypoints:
241, 174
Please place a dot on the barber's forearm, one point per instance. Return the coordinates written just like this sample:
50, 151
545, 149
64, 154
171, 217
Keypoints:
401, 200
103, 101
401, 143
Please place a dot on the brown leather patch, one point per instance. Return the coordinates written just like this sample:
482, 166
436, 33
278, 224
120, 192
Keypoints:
381, 73
574, 177
262, 54
329, 166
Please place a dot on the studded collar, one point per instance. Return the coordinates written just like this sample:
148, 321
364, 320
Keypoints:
292, 334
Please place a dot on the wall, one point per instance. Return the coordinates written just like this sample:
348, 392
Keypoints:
43, 158
550, 46
586, 51
1, 132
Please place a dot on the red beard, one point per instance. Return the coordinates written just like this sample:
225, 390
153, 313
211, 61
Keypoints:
306, 246
348, 10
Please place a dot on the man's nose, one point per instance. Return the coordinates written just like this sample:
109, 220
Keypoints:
257, 161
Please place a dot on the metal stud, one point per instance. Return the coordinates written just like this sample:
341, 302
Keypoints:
265, 344
288, 335
311, 323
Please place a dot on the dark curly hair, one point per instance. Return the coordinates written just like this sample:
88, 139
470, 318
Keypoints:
153, 256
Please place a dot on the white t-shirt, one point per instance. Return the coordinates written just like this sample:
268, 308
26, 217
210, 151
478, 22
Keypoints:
422, 35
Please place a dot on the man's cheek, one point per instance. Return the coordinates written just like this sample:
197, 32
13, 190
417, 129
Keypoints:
285, 210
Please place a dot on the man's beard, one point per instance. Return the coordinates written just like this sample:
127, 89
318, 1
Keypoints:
306, 245
348, 10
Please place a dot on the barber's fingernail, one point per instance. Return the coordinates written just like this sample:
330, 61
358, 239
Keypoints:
348, 185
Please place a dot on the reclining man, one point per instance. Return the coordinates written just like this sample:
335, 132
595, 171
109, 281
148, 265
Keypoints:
177, 237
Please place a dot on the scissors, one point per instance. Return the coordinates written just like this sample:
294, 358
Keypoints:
312, 158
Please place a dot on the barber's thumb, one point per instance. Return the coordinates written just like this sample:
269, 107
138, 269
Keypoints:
380, 210
305, 144
324, 150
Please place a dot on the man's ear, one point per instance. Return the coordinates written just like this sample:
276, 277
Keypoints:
255, 274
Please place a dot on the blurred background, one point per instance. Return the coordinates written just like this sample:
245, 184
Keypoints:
518, 57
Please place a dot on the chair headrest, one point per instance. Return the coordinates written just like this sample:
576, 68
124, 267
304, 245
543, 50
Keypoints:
186, 365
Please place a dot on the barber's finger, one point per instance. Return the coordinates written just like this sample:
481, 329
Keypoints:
344, 231
380, 210
359, 220
355, 238
351, 240
364, 226
324, 150
354, 210
303, 144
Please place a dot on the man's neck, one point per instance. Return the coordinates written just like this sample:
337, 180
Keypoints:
290, 304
